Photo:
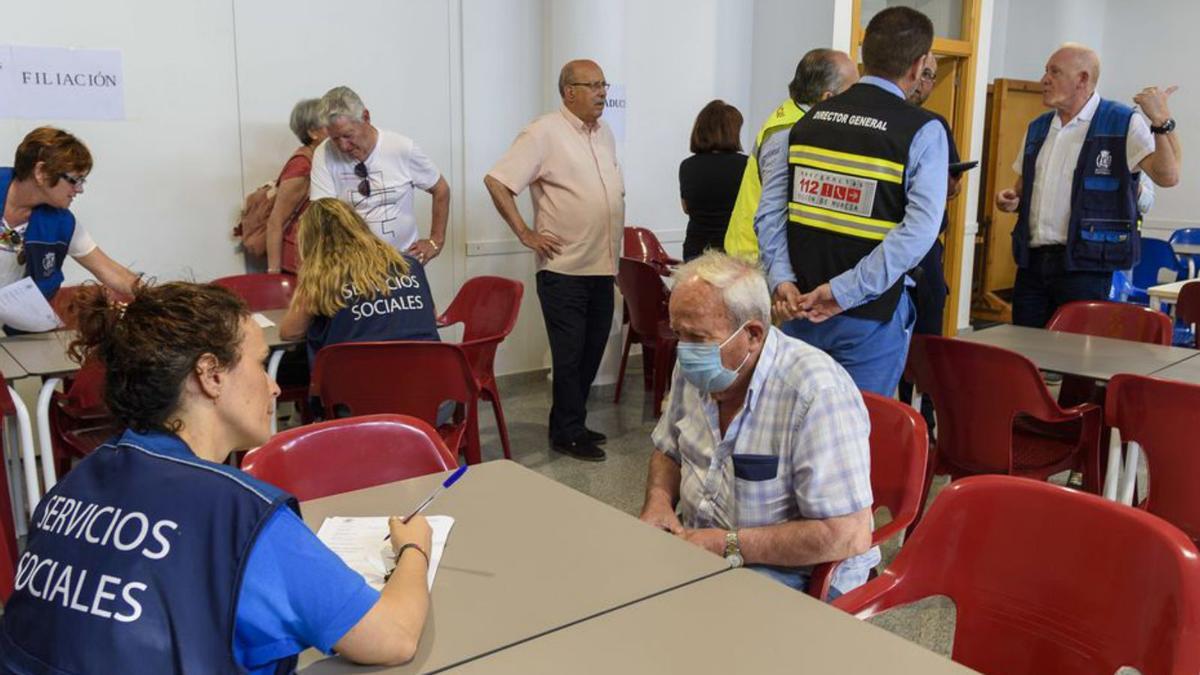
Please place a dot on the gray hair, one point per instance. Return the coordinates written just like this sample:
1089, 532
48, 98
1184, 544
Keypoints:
341, 102
564, 77
306, 115
816, 74
742, 285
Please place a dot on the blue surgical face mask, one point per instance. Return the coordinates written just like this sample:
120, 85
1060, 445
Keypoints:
701, 364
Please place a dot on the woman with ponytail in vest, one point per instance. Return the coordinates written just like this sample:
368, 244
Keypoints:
153, 556
353, 286
37, 229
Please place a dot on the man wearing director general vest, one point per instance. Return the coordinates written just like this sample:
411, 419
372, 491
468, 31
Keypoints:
865, 193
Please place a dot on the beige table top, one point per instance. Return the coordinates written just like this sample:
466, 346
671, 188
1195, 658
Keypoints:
736, 622
1167, 292
1184, 371
1076, 354
42, 354
10, 368
46, 353
526, 556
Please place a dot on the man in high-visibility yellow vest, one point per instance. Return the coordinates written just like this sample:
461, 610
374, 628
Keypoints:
822, 73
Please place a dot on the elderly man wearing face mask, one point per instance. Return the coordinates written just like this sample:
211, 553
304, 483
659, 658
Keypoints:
762, 454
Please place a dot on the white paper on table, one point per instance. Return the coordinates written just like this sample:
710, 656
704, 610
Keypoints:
360, 543
23, 307
262, 320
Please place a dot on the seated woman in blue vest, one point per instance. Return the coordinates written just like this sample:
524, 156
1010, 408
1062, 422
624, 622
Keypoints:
353, 286
153, 556
37, 229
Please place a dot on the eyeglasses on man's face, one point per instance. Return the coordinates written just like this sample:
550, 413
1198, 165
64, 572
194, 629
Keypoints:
594, 86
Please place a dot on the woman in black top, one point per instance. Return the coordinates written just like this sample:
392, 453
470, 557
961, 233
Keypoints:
709, 179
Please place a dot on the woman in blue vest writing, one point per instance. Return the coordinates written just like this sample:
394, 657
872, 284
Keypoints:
153, 556
37, 229
353, 286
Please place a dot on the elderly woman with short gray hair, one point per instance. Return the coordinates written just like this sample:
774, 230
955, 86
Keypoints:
291, 196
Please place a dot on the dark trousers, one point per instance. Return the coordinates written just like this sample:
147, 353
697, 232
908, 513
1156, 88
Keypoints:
1045, 284
578, 311
929, 298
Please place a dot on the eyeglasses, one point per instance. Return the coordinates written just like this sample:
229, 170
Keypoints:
364, 186
594, 86
928, 76
75, 182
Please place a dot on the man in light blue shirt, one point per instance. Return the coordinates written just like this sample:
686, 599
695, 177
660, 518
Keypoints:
762, 454
854, 254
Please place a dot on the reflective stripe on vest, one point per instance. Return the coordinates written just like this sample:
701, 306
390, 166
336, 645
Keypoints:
842, 223
842, 164
845, 162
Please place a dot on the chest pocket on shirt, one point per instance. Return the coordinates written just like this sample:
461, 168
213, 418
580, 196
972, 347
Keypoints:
755, 467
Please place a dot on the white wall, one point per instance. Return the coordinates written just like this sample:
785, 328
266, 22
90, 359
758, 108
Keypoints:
166, 185
1026, 32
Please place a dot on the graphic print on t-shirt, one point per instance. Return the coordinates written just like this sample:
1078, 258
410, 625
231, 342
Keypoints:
381, 208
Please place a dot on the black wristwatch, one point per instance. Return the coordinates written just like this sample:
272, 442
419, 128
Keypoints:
1166, 128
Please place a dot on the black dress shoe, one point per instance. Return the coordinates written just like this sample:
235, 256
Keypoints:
584, 449
596, 437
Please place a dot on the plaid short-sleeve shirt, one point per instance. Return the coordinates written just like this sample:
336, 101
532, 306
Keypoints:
798, 449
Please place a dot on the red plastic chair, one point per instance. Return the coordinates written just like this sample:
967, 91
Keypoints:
402, 377
899, 453
79, 418
1187, 308
330, 458
1118, 320
1045, 579
642, 244
261, 291
646, 296
978, 392
8, 528
487, 307
1149, 411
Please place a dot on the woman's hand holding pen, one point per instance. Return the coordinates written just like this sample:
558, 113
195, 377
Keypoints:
415, 531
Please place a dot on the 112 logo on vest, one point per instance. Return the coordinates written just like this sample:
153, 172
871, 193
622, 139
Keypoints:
1104, 163
834, 191
49, 261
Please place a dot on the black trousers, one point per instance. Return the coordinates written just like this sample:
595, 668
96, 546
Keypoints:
929, 298
1045, 284
578, 311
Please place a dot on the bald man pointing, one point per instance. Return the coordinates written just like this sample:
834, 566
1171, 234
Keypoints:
568, 160
1076, 192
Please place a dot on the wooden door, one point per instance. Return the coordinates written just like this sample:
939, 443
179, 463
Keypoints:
1012, 105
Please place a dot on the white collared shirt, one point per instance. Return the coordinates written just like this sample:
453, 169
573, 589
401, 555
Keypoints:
1050, 205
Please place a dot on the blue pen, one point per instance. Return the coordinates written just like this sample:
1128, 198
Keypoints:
445, 484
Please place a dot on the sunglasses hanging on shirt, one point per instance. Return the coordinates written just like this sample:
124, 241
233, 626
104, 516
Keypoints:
364, 186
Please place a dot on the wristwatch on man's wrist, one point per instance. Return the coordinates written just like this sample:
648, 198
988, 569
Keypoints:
733, 551
1165, 128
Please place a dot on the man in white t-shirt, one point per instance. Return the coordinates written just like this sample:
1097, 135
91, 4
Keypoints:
376, 172
1076, 192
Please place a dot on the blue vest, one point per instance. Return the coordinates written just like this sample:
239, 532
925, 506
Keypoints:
405, 313
1102, 234
47, 239
134, 564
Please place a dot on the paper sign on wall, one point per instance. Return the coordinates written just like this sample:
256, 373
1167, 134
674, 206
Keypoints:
614, 112
59, 83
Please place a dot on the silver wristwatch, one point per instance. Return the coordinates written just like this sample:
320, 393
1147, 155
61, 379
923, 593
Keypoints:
733, 550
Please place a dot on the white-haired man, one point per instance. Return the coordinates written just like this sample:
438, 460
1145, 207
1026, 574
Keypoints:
375, 171
763, 447
1076, 195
